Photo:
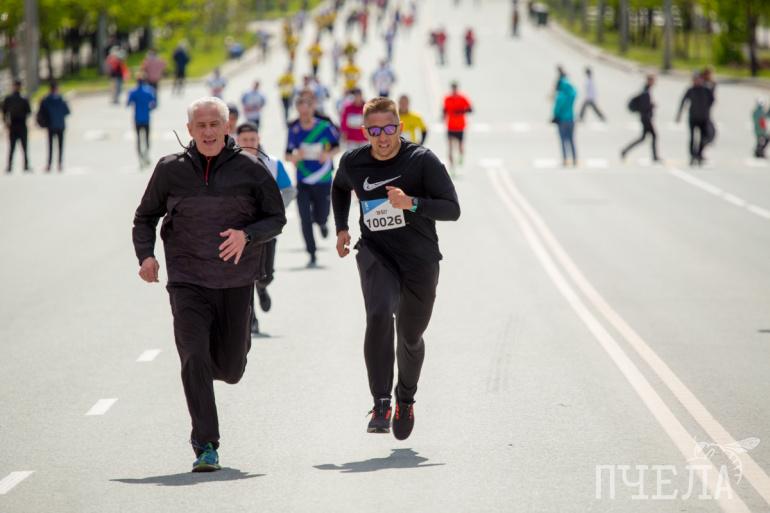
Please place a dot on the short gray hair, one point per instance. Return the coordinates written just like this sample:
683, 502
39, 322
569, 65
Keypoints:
208, 100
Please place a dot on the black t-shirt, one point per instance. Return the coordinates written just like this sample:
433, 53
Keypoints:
406, 238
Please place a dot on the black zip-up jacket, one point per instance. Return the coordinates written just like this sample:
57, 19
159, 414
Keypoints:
701, 99
236, 192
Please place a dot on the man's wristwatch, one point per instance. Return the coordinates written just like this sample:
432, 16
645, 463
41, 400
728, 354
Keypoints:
415, 203
247, 237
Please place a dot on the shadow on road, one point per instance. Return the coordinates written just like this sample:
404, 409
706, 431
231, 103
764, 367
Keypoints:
399, 458
190, 478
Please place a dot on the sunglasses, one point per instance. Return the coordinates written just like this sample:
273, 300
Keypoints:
375, 131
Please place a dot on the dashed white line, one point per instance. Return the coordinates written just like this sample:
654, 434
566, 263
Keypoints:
148, 355
12, 479
95, 135
481, 127
716, 191
597, 163
756, 162
521, 127
545, 163
101, 407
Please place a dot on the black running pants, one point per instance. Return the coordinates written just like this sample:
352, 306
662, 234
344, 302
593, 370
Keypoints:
407, 295
212, 332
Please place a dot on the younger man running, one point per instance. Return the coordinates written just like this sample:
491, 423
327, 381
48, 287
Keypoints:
403, 190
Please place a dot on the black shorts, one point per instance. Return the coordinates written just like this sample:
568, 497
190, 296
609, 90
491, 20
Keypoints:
456, 134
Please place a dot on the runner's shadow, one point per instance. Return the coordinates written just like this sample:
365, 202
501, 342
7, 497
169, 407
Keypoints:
399, 458
317, 267
191, 478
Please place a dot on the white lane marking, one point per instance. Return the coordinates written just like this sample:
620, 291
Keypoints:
684, 441
95, 135
597, 126
481, 127
76, 170
545, 163
597, 163
521, 127
719, 193
491, 162
12, 479
759, 211
101, 406
148, 355
754, 162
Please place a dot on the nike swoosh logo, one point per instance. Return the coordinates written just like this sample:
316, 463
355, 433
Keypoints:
371, 186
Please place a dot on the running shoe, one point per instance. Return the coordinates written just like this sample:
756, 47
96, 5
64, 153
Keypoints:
403, 420
324, 231
264, 300
208, 460
380, 421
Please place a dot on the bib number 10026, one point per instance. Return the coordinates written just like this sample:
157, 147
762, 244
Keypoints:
379, 215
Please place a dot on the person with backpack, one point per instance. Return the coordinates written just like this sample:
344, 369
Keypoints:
16, 108
51, 115
643, 104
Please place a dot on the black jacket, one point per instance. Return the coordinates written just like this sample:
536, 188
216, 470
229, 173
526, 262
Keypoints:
701, 99
16, 108
240, 194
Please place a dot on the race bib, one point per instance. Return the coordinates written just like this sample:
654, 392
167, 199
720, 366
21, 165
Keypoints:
311, 151
380, 215
355, 120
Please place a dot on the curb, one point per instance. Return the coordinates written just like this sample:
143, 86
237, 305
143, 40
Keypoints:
630, 66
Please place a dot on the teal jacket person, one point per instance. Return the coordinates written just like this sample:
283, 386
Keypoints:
564, 104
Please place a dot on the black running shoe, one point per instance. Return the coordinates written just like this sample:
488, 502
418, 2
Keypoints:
380, 421
264, 300
324, 231
403, 420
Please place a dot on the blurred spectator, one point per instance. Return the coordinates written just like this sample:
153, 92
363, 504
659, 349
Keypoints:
16, 109
181, 60
117, 70
53, 109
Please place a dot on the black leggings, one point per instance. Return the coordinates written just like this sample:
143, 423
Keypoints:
696, 148
17, 134
143, 131
647, 128
407, 295
212, 333
313, 202
58, 134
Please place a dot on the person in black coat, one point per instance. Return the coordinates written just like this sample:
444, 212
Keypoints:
53, 111
700, 97
16, 109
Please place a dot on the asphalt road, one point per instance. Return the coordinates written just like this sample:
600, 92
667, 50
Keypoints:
593, 324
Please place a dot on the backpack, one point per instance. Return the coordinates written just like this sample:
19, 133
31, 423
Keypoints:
634, 104
42, 117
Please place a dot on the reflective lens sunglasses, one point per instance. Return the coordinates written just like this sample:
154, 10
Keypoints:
375, 131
